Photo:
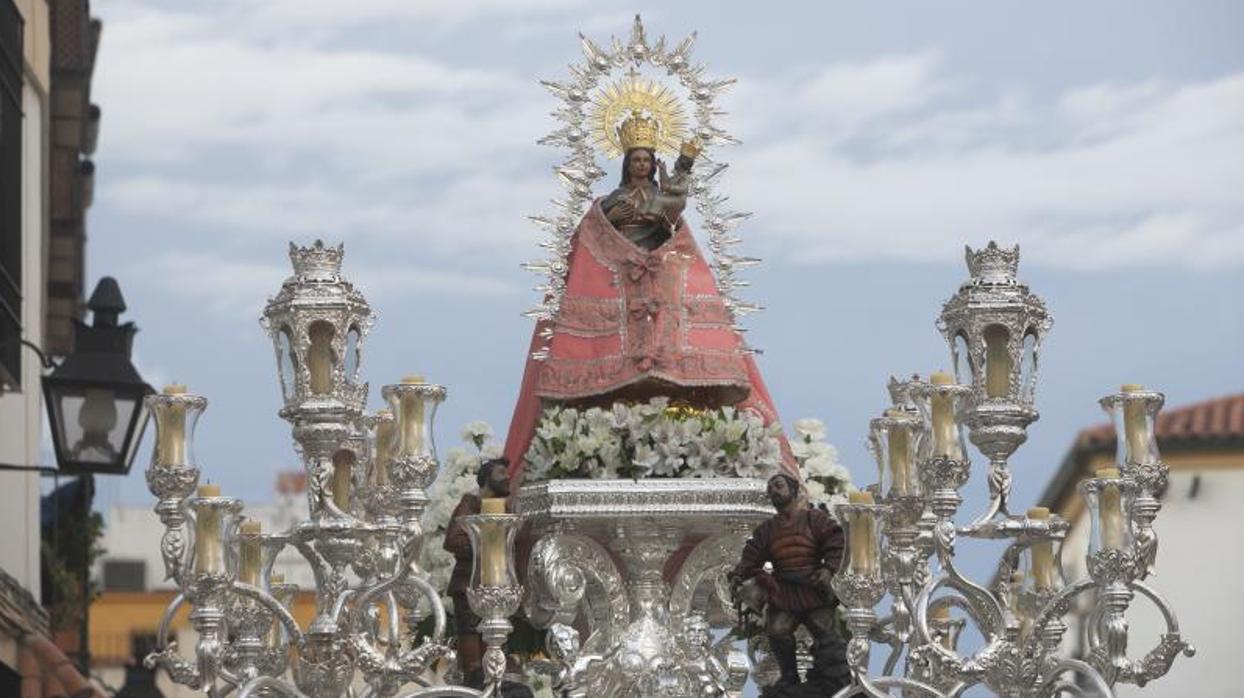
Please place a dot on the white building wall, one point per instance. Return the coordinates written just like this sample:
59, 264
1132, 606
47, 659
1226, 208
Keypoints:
1199, 567
21, 413
132, 532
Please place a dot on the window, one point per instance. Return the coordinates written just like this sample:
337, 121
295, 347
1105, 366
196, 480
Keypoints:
10, 194
125, 575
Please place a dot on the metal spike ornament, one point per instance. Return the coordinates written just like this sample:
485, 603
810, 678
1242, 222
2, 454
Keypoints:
594, 98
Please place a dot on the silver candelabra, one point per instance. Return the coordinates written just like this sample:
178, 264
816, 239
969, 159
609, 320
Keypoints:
367, 476
903, 531
601, 549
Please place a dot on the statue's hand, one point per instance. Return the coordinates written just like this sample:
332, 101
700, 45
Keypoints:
621, 211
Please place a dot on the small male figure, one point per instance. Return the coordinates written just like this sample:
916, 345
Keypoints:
712, 679
493, 482
804, 545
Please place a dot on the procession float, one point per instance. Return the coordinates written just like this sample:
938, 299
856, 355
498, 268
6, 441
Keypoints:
647, 517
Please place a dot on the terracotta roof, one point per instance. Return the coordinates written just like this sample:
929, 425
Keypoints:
1201, 423
291, 482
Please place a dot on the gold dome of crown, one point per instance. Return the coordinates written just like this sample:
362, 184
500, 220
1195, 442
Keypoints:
639, 131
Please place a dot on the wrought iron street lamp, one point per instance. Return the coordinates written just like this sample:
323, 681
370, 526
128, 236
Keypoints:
95, 397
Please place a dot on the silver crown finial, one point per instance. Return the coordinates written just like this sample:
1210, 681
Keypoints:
993, 264
317, 261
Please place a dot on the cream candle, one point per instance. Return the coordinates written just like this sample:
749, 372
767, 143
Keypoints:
320, 358
1017, 608
343, 463
939, 623
863, 541
492, 545
171, 435
945, 430
412, 418
208, 554
384, 447
1042, 554
1110, 512
900, 456
1135, 427
274, 631
997, 362
251, 553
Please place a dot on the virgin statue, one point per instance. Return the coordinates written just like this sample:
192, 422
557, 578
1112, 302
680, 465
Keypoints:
641, 315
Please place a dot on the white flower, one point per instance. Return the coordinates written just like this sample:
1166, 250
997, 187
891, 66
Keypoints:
809, 430
476, 432
646, 457
818, 465
839, 473
816, 491
598, 420
801, 450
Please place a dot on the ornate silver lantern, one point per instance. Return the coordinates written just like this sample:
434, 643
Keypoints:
995, 327
318, 323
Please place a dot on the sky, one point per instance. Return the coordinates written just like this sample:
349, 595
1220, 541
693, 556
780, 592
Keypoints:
1105, 139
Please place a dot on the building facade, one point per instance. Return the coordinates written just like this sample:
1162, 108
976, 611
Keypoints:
47, 130
1199, 557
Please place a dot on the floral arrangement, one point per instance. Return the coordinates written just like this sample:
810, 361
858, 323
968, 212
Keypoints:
665, 440
652, 439
824, 478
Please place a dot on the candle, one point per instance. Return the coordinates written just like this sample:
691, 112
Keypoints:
997, 362
492, 544
411, 415
1017, 609
1110, 512
945, 430
384, 447
941, 614
171, 435
320, 358
1042, 554
208, 555
274, 631
251, 553
1135, 427
863, 540
342, 461
900, 455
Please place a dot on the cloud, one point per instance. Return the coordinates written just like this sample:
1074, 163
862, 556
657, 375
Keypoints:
235, 287
834, 101
175, 87
1100, 176
309, 131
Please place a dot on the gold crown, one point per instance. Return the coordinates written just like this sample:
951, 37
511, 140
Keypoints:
639, 131
692, 148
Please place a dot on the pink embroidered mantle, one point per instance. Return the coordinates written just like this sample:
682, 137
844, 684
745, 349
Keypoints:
634, 324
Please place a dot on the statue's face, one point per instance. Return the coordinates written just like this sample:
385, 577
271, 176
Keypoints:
639, 165
697, 636
780, 492
562, 642
499, 481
